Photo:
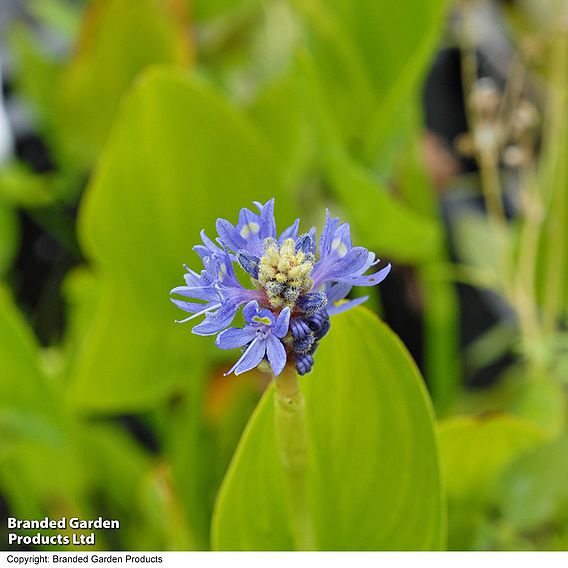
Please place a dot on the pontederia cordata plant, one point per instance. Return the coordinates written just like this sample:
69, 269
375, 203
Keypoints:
294, 289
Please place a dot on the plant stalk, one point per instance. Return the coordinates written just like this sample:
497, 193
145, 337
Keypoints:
292, 443
526, 292
555, 141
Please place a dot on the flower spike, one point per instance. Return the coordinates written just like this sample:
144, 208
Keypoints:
296, 288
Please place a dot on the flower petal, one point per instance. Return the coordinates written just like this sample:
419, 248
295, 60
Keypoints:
327, 234
268, 224
341, 242
290, 233
251, 358
197, 293
333, 309
192, 279
276, 354
249, 229
333, 269
250, 310
216, 322
229, 235
280, 328
235, 337
207, 248
266, 315
371, 279
336, 291
192, 307
219, 267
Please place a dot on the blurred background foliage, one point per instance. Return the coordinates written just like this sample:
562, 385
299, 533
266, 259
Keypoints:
438, 129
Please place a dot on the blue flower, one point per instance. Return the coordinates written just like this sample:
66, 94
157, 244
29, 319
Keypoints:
219, 289
262, 335
295, 288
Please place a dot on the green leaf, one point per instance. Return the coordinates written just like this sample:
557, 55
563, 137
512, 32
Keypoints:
118, 39
410, 44
380, 27
282, 113
180, 158
389, 226
373, 53
20, 186
9, 236
210, 10
535, 398
35, 433
373, 474
533, 492
342, 73
118, 461
381, 221
27, 408
442, 367
56, 15
166, 525
38, 73
542, 400
475, 451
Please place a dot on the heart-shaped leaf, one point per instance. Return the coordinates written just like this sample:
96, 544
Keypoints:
373, 474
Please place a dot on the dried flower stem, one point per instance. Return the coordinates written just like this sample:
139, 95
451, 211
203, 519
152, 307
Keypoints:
491, 187
292, 442
488, 158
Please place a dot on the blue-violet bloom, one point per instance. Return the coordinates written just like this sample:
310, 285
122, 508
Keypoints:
262, 335
295, 289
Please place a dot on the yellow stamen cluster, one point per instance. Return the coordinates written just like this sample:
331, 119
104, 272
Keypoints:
284, 273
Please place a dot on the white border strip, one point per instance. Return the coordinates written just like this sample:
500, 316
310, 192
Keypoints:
284, 559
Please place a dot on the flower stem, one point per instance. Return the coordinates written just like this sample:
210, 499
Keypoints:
292, 442
555, 141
